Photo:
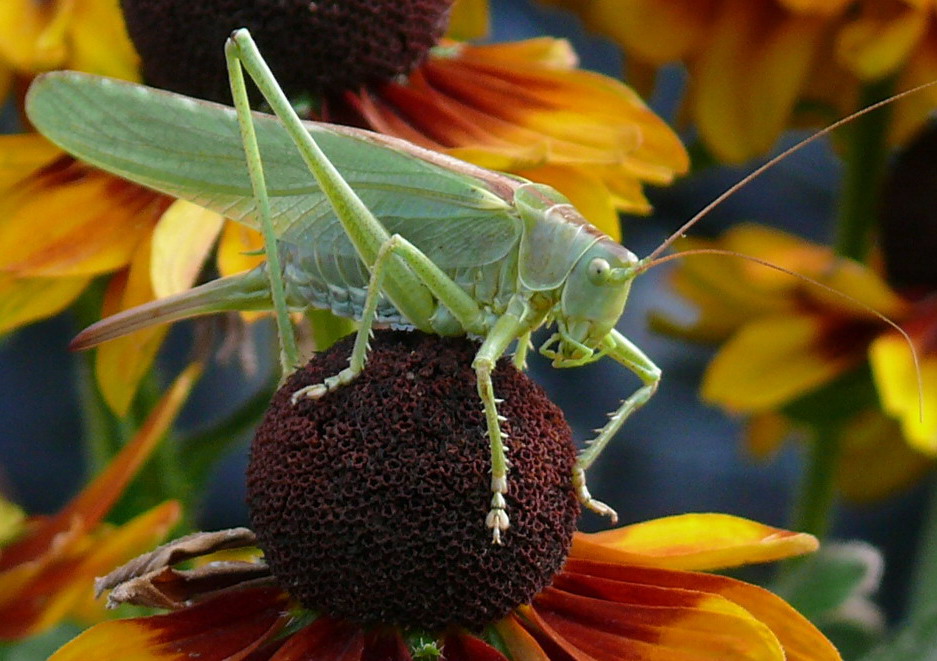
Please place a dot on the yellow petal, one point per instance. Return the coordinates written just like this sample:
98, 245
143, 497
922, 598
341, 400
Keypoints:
70, 220
182, 239
23, 154
468, 20
32, 34
12, 520
693, 541
873, 439
99, 41
120, 364
897, 384
239, 249
25, 300
880, 40
771, 361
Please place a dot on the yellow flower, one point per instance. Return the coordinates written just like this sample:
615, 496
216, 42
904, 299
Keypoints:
782, 338
637, 592
754, 63
523, 107
47, 563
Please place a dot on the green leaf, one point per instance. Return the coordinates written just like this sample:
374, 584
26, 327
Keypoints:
39, 647
915, 642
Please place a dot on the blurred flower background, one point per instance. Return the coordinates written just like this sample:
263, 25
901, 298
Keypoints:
751, 358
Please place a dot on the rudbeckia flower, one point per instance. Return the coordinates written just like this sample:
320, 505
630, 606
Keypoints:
754, 64
783, 337
369, 505
522, 107
48, 563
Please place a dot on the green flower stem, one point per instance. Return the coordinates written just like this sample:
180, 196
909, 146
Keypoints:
923, 598
814, 507
101, 436
864, 166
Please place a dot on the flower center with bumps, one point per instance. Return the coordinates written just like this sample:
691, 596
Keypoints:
370, 503
312, 47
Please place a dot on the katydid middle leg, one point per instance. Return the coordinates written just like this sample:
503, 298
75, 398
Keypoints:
623, 351
449, 294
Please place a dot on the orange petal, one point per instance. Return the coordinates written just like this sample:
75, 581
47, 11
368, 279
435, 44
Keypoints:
90, 506
748, 78
656, 32
69, 220
182, 239
897, 384
693, 541
227, 627
702, 626
67, 583
25, 300
522, 106
120, 364
774, 359
587, 194
800, 640
765, 432
910, 113
519, 643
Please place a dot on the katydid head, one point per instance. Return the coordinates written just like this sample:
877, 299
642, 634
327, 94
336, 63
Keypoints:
592, 301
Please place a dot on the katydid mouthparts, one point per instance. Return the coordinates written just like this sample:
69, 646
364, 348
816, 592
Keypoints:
382, 232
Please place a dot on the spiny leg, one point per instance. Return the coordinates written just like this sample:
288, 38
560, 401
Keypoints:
359, 352
462, 306
289, 354
625, 352
511, 325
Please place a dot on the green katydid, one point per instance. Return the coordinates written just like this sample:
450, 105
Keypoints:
384, 232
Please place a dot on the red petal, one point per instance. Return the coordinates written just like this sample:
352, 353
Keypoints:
323, 640
465, 647
385, 645
227, 628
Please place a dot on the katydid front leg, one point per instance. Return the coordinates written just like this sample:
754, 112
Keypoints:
622, 350
514, 323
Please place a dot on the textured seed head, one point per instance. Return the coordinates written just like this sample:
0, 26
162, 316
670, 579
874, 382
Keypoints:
313, 47
370, 503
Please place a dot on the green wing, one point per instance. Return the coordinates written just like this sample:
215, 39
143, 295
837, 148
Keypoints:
192, 149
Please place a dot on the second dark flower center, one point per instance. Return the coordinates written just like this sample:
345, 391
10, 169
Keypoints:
312, 47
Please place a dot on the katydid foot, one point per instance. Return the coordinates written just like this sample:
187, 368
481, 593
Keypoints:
497, 518
317, 390
590, 503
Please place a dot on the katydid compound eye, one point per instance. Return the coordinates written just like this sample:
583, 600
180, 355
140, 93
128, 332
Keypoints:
598, 270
